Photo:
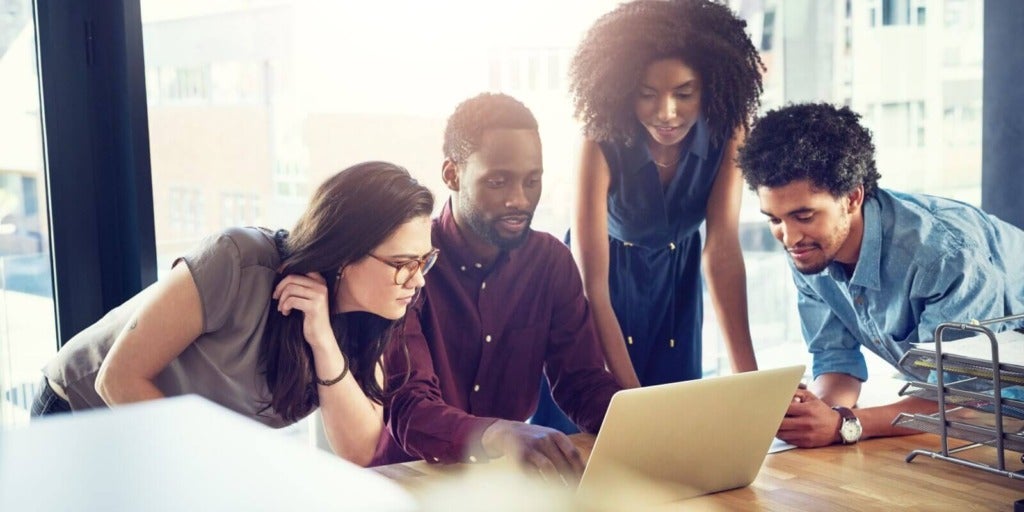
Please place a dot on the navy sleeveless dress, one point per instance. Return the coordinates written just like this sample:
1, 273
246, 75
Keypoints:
654, 262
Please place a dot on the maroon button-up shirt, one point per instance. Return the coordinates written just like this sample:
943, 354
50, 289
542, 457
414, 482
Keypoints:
478, 341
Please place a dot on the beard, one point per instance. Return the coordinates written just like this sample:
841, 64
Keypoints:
488, 230
814, 267
828, 248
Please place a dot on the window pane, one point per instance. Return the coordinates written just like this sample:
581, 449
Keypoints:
28, 334
252, 104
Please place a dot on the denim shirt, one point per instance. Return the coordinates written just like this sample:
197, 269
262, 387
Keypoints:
923, 260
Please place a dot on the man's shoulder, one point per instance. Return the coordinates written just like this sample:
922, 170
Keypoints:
939, 223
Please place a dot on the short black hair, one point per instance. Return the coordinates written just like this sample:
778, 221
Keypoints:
818, 142
473, 117
609, 64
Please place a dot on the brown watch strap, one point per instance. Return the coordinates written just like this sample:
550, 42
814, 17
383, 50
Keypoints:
845, 413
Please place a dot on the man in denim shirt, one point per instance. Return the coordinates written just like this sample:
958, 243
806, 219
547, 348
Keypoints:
874, 268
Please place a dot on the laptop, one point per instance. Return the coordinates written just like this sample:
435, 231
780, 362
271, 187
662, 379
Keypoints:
675, 441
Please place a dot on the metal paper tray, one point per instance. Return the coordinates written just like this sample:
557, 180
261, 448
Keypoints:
960, 430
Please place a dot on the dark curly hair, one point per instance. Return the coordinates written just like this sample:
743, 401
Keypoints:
814, 141
609, 64
473, 117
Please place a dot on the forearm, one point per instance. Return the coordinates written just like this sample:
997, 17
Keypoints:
613, 344
116, 390
428, 428
726, 277
352, 422
837, 389
877, 421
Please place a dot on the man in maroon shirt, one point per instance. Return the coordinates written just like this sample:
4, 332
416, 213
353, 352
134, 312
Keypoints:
503, 304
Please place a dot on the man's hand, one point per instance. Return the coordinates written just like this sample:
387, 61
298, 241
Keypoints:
809, 422
547, 450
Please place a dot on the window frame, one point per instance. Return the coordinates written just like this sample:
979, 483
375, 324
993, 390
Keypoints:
95, 156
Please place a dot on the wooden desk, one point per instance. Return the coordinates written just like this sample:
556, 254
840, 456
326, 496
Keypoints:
870, 475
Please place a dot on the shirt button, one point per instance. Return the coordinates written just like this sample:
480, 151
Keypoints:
476, 387
472, 458
629, 340
437, 459
483, 285
487, 338
672, 343
478, 265
462, 268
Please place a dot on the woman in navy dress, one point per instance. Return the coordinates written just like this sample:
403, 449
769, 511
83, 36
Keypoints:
665, 90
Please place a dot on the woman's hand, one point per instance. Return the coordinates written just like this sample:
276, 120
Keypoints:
307, 293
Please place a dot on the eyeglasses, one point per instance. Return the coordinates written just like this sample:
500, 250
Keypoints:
406, 269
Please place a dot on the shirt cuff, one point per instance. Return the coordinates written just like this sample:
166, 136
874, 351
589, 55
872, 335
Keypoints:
849, 362
466, 445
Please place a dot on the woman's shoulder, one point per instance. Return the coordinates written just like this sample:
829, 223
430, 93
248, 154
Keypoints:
251, 246
622, 159
251, 240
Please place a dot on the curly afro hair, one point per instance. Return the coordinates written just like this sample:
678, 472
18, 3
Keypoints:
473, 117
817, 142
606, 70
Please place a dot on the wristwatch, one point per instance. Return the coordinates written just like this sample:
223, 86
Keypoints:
849, 427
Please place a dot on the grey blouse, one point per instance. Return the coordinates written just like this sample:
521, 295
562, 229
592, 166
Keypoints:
235, 273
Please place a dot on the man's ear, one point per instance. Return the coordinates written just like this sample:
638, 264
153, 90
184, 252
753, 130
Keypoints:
856, 197
450, 174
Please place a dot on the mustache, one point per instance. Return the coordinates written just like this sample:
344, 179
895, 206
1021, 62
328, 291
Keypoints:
515, 215
803, 246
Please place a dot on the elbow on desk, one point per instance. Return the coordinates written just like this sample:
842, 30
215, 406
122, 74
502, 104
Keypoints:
361, 455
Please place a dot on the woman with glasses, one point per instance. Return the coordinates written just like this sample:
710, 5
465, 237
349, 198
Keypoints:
270, 325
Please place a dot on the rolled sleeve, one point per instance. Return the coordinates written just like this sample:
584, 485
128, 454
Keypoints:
833, 348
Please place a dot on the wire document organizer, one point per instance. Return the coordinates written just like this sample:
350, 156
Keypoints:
982, 387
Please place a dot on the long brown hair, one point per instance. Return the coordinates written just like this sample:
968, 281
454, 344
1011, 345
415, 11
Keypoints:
350, 214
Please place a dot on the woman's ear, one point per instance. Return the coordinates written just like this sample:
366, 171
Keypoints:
450, 174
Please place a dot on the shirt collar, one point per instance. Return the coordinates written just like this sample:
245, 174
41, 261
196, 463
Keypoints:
453, 244
869, 259
699, 145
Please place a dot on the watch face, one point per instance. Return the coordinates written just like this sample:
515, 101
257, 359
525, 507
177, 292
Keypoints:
850, 431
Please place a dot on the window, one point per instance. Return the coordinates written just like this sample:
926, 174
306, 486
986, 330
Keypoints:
242, 107
895, 12
28, 337
769, 30
901, 125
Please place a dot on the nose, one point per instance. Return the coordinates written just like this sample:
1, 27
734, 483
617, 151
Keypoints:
666, 108
417, 280
516, 198
788, 234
